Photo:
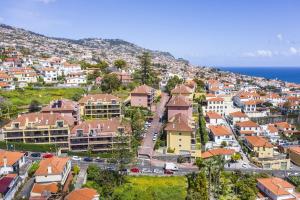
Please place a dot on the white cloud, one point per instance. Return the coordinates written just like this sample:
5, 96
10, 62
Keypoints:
259, 53
294, 51
46, 1
279, 36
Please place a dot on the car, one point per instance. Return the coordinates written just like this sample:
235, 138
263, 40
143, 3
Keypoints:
168, 171
35, 155
47, 155
244, 165
123, 171
76, 158
135, 170
146, 170
88, 159
110, 168
99, 160
154, 139
158, 171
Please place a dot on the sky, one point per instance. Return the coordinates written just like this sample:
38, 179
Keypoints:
206, 32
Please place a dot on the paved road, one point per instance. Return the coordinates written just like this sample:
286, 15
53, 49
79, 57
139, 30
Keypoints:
147, 145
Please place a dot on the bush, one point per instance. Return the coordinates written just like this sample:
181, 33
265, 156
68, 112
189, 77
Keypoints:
28, 147
33, 168
76, 169
89, 154
169, 150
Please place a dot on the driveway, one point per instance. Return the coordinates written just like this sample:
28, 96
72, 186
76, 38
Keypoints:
147, 145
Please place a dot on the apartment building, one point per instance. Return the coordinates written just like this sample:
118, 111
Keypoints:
65, 107
99, 135
215, 104
40, 128
275, 188
98, 106
181, 135
264, 154
179, 104
142, 96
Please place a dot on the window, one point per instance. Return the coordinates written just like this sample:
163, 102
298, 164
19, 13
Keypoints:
59, 123
79, 132
16, 125
179, 139
180, 145
179, 133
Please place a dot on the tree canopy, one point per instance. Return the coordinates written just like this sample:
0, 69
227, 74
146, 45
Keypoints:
110, 82
172, 82
120, 63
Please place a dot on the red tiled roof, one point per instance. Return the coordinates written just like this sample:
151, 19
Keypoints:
220, 130
98, 98
216, 152
214, 115
276, 185
178, 101
142, 89
257, 141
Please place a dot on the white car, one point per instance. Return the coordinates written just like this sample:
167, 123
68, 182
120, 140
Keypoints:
146, 170
76, 158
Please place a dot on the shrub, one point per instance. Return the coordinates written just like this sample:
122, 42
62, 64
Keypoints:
33, 168
169, 150
28, 147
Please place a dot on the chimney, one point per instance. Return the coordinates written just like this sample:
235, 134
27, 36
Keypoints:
4, 161
49, 169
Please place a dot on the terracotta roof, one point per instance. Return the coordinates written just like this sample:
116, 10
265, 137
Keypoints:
82, 194
216, 152
11, 156
101, 126
182, 89
295, 149
276, 185
216, 99
214, 115
57, 165
238, 114
178, 101
247, 132
247, 124
42, 119
283, 125
257, 141
250, 102
43, 187
142, 89
60, 105
272, 128
98, 98
220, 130
178, 123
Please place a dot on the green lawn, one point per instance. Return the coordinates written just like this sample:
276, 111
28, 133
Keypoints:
24, 97
156, 188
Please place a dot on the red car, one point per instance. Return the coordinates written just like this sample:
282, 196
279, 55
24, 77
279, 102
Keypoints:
47, 155
135, 170
168, 171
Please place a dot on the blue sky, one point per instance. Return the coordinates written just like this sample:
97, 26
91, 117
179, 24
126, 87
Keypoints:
206, 32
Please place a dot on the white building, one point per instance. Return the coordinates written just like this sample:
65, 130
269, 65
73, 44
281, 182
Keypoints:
10, 162
220, 134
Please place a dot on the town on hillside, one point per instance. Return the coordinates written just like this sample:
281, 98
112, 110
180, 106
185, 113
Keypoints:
76, 126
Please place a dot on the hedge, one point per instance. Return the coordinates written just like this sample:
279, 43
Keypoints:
28, 147
87, 154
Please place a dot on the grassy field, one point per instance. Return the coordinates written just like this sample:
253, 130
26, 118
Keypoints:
156, 188
24, 97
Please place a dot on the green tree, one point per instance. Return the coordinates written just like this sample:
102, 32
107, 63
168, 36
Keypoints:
172, 82
120, 63
197, 186
34, 106
110, 83
235, 157
76, 169
200, 85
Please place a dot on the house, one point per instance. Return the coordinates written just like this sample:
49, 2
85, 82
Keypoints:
76, 78
220, 134
43, 189
213, 118
68, 68
238, 116
124, 77
215, 104
264, 154
83, 194
179, 104
247, 128
64, 106
98, 106
227, 153
11, 161
271, 132
142, 96
99, 135
294, 154
9, 184
40, 128
54, 169
277, 189
183, 90
181, 136
286, 128
49, 74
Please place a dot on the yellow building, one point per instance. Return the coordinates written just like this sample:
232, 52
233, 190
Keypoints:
181, 136
264, 155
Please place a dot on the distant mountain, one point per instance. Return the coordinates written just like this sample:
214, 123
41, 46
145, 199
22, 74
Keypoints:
84, 49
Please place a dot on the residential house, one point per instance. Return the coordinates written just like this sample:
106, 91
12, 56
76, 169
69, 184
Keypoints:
179, 104
49, 74
43, 189
247, 128
11, 161
277, 189
9, 185
294, 154
99, 135
286, 128
213, 118
76, 78
238, 116
97, 106
83, 194
142, 96
271, 132
183, 90
220, 134
226, 153
124, 77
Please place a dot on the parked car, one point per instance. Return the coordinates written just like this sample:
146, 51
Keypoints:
88, 159
35, 155
170, 166
47, 155
244, 165
158, 171
76, 158
135, 170
99, 160
168, 172
146, 170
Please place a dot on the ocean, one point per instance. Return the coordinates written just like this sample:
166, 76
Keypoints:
290, 74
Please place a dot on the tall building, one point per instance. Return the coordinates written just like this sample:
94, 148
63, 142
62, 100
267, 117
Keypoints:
142, 96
